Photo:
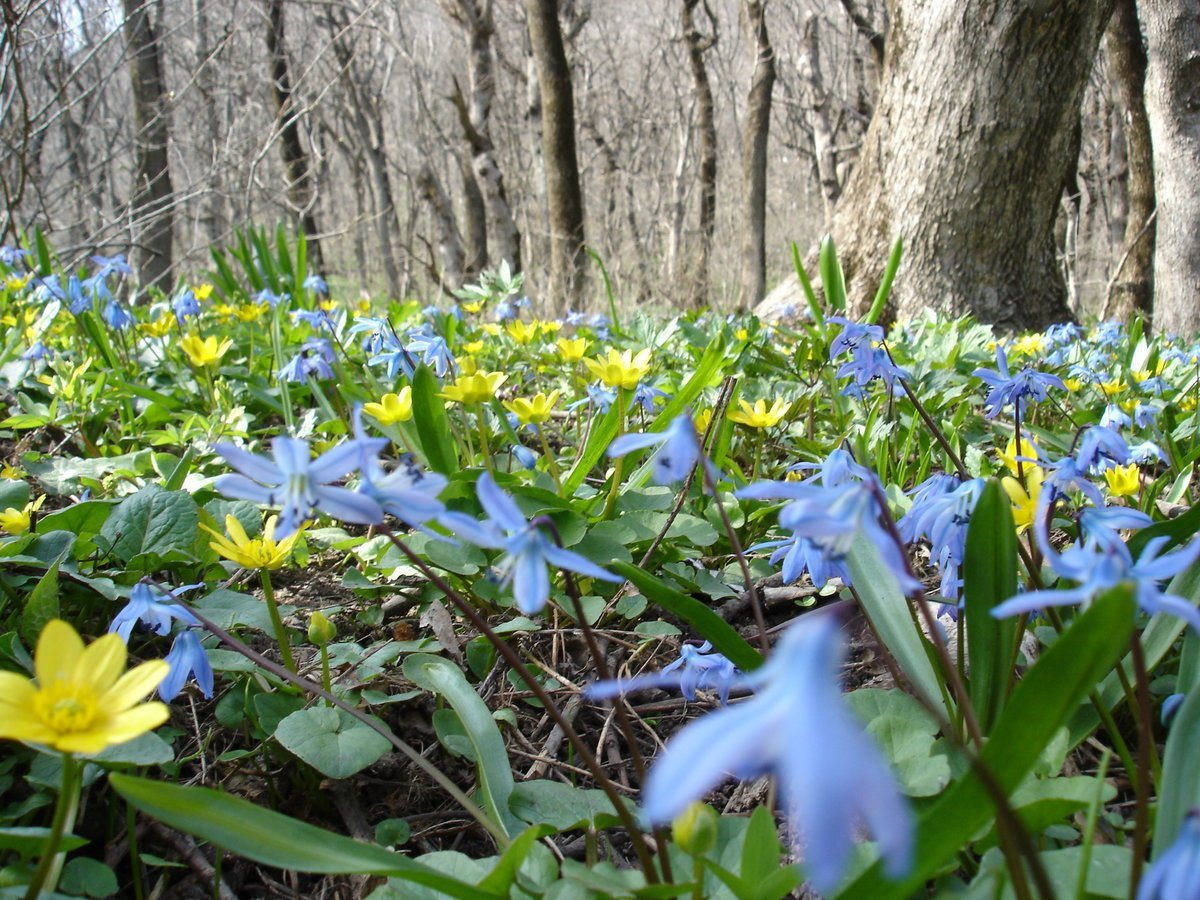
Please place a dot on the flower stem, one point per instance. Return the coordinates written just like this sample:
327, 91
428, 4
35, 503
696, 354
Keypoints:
484, 447
45, 877
551, 465
285, 647
615, 488
326, 681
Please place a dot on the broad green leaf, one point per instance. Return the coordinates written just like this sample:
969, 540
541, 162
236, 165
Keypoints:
84, 519
259, 834
989, 578
28, 841
562, 806
445, 679
1042, 802
888, 610
63, 474
432, 423
40, 606
87, 877
600, 435
1050, 691
152, 521
907, 734
145, 750
707, 623
331, 740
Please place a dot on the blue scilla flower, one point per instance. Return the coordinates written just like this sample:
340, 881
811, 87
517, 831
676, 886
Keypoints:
1101, 447
575, 319
13, 257
1175, 875
184, 305
1115, 418
117, 316
1145, 453
678, 449
153, 608
315, 318
408, 492
316, 284
1170, 706
78, 300
852, 336
112, 265
646, 396
866, 364
796, 727
527, 551
432, 350
940, 513
599, 397
306, 364
1007, 389
837, 468
697, 669
1063, 333
1108, 334
187, 659
797, 555
298, 484
48, 288
1146, 414
268, 296
37, 352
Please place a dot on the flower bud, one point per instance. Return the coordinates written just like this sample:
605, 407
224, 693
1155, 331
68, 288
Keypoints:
695, 830
320, 630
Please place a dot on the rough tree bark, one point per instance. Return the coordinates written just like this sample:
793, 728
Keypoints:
563, 195
153, 196
1132, 287
816, 101
754, 158
474, 222
706, 127
1173, 104
301, 190
966, 158
449, 245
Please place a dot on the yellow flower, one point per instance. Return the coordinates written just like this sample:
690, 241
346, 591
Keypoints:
520, 332
1112, 388
1029, 345
1074, 385
253, 553
472, 347
549, 328
82, 701
1123, 481
1187, 404
472, 389
17, 283
224, 311
572, 350
17, 521
1029, 450
473, 307
467, 365
703, 418
250, 312
535, 410
1024, 497
493, 329
758, 416
11, 472
159, 326
620, 370
391, 408
202, 291
204, 352
742, 334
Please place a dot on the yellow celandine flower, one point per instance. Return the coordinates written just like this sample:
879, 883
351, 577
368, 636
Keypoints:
16, 282
473, 307
742, 334
572, 350
250, 312
261, 552
206, 351
620, 370
703, 418
1074, 385
1187, 404
1123, 481
1029, 450
224, 312
535, 410
391, 408
1029, 344
202, 291
1112, 388
758, 416
467, 365
493, 328
472, 347
159, 326
472, 389
1024, 497
11, 472
17, 521
520, 332
328, 305
82, 700
549, 328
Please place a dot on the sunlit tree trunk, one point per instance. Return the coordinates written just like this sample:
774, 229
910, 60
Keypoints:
706, 127
754, 158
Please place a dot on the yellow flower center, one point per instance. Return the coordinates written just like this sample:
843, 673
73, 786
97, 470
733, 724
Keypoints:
66, 706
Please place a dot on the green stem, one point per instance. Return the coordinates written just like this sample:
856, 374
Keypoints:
484, 446
45, 877
551, 465
614, 488
326, 682
285, 647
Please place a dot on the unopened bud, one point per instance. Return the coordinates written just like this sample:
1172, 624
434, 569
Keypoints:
695, 830
320, 630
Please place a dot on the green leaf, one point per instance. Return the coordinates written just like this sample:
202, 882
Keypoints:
259, 834
331, 740
502, 876
707, 623
230, 609
885, 286
810, 295
152, 521
29, 841
888, 609
600, 435
432, 423
989, 578
1180, 774
145, 750
832, 278
907, 733
86, 877
445, 679
1050, 691
40, 606
562, 806
83, 519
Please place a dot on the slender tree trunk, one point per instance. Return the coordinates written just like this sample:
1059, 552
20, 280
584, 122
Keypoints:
474, 219
1173, 105
442, 212
706, 127
153, 196
754, 158
212, 213
563, 194
816, 99
966, 158
1133, 286
300, 183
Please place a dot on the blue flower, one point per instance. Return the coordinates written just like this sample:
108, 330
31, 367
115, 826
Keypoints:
112, 264
313, 361
78, 301
433, 352
1008, 389
646, 396
266, 295
1115, 418
797, 728
853, 336
1099, 448
299, 485
48, 288
1146, 414
696, 670
523, 455
1175, 875
187, 659
408, 492
315, 318
527, 551
12, 256
37, 352
117, 316
184, 305
1145, 453
598, 396
679, 449
154, 608
800, 555
316, 284
941, 512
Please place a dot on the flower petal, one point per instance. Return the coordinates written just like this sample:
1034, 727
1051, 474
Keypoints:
58, 648
134, 686
101, 663
499, 505
260, 468
531, 582
567, 559
346, 506
239, 487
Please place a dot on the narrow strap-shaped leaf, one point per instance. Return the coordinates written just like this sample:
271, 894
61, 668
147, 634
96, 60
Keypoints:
885, 286
832, 278
433, 425
600, 435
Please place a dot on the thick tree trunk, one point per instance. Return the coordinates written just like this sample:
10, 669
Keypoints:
563, 194
153, 196
706, 128
1132, 286
754, 158
449, 246
301, 190
966, 158
816, 99
1173, 104
474, 219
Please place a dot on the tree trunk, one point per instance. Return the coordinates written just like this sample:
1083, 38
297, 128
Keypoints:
153, 196
563, 194
474, 219
816, 100
706, 127
449, 246
966, 158
301, 192
754, 158
1173, 105
1132, 286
